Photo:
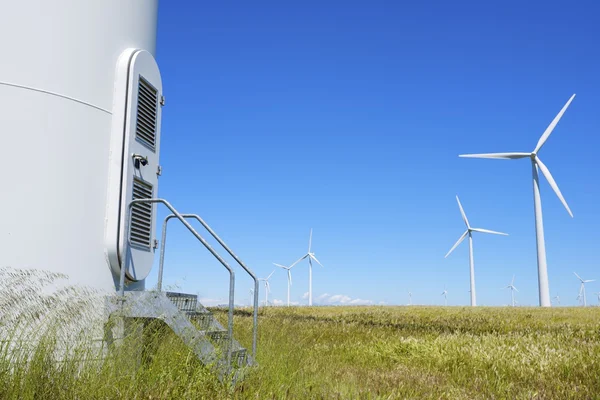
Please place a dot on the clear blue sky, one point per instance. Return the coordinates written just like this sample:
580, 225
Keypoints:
348, 117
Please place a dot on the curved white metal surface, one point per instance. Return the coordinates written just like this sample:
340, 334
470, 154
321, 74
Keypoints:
57, 81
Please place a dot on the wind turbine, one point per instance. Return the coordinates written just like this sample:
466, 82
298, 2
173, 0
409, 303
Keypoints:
410, 298
289, 274
536, 163
251, 295
582, 287
598, 294
267, 287
579, 297
445, 294
557, 298
310, 256
512, 290
468, 233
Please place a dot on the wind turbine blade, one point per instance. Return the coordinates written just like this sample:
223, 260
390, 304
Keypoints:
464, 235
280, 266
462, 211
315, 258
268, 286
552, 125
488, 231
513, 280
298, 260
290, 276
589, 280
578, 276
501, 156
552, 183
271, 274
310, 240
516, 290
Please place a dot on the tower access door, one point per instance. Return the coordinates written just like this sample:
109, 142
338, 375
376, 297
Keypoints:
135, 145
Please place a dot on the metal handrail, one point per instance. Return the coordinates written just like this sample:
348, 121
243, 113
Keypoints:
231, 253
181, 218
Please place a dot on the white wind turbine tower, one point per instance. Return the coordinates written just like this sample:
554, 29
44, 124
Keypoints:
536, 163
582, 287
468, 233
289, 274
310, 256
445, 294
267, 287
513, 289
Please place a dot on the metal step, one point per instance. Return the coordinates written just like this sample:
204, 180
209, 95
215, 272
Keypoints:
239, 357
183, 301
221, 337
203, 320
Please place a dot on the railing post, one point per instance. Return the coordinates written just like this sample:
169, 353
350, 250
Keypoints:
230, 317
161, 263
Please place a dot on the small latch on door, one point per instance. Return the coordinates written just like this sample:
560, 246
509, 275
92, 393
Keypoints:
139, 159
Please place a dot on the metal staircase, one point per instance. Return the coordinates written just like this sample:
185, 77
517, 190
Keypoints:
205, 321
213, 344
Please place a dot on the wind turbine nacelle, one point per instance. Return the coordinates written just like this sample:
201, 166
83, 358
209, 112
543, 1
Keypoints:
80, 99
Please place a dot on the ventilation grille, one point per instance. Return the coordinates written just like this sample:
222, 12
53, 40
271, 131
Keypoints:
140, 232
145, 130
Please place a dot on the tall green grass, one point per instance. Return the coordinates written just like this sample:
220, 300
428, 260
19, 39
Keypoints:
304, 353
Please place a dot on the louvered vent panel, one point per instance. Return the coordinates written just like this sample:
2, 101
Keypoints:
145, 130
141, 215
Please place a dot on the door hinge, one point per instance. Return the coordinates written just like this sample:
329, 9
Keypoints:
155, 244
159, 170
162, 100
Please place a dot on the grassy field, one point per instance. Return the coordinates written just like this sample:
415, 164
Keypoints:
352, 352
427, 352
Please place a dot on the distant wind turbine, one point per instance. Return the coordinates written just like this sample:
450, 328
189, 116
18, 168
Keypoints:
468, 233
598, 294
512, 290
557, 298
267, 286
536, 163
311, 257
445, 294
582, 287
289, 274
410, 298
